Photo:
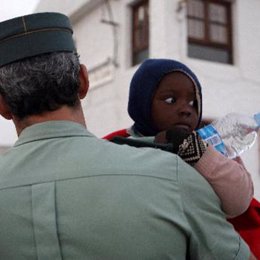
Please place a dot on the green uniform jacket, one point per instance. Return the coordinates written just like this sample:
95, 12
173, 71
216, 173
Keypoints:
65, 194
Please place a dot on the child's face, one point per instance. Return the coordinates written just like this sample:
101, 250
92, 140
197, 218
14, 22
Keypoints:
174, 103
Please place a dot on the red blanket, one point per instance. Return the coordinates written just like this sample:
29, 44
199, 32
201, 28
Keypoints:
248, 226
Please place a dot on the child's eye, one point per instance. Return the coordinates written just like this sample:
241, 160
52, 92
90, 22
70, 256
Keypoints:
170, 100
192, 103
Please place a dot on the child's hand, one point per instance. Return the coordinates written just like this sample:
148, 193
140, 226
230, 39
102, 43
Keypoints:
174, 136
189, 146
192, 148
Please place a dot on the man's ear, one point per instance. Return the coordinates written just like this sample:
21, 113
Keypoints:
84, 84
4, 109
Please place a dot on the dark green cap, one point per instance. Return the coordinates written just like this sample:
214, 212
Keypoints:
34, 34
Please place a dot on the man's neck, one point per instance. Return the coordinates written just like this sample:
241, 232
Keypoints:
66, 113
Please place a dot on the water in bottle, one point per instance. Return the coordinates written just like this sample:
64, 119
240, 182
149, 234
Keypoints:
233, 134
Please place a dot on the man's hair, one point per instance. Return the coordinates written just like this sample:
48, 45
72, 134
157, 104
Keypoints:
42, 83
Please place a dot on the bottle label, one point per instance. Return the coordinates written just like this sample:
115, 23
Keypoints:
211, 136
257, 119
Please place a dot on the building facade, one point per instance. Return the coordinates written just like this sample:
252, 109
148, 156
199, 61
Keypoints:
218, 39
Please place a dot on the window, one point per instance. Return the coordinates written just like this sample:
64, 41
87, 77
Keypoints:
209, 30
140, 31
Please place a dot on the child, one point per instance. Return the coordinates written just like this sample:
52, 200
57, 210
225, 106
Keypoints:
165, 95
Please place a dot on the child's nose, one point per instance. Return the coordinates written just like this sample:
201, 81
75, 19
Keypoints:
185, 109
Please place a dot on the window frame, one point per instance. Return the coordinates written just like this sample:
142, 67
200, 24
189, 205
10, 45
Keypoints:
206, 41
135, 50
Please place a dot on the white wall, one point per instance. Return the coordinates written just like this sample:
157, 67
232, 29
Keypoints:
8, 134
65, 6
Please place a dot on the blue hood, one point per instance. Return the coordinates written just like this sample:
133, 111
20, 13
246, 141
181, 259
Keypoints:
143, 86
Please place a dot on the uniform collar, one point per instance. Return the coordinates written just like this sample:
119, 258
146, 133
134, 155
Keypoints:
51, 129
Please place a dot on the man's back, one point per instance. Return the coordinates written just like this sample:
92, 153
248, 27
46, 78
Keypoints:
64, 194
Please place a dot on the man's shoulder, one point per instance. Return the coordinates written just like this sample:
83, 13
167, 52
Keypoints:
86, 156
148, 161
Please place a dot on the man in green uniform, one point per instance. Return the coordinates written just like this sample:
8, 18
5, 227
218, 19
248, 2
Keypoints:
65, 194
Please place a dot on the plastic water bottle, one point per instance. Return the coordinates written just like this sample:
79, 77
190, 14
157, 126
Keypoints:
232, 134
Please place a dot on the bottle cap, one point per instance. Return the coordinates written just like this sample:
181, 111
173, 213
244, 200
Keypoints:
257, 119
